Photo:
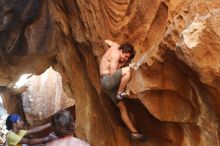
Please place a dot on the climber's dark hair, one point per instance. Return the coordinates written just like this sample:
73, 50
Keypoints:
62, 123
128, 48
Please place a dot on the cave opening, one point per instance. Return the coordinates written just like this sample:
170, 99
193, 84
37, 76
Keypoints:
37, 97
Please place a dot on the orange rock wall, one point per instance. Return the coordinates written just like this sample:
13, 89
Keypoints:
175, 72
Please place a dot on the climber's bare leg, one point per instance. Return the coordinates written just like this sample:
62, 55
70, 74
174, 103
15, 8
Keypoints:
126, 76
125, 117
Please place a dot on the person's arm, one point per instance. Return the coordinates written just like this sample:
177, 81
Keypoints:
39, 128
114, 63
111, 43
124, 64
36, 141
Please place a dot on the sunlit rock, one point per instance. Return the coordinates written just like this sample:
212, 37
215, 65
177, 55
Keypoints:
44, 96
175, 79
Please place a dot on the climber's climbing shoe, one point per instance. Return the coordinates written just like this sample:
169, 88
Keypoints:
137, 136
122, 95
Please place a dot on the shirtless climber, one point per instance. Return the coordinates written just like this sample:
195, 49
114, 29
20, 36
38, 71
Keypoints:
115, 75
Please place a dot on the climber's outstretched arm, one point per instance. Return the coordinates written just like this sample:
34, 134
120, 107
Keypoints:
111, 43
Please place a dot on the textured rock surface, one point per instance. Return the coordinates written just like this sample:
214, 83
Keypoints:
44, 96
3, 115
176, 70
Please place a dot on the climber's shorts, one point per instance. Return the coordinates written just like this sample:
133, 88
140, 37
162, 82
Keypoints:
110, 84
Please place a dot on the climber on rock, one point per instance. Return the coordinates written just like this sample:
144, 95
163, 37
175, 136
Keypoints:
16, 134
115, 75
63, 126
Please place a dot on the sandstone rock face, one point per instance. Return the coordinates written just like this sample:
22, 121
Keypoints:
44, 96
175, 75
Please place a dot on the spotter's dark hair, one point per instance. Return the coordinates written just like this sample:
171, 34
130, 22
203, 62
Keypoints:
62, 123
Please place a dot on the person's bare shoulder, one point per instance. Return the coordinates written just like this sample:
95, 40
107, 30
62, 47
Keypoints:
68, 141
115, 53
79, 142
52, 143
